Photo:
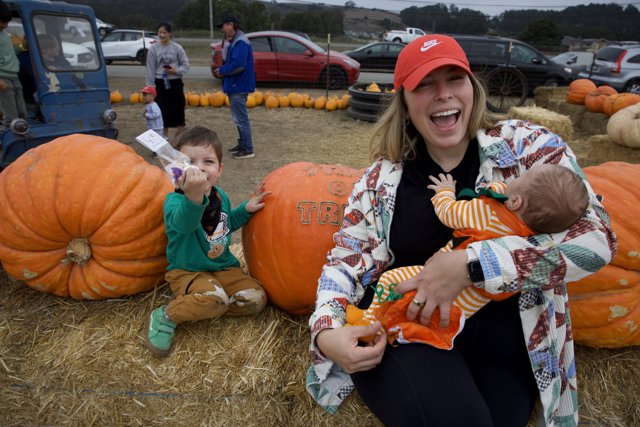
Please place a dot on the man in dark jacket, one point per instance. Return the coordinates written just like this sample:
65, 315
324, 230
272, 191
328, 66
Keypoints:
238, 80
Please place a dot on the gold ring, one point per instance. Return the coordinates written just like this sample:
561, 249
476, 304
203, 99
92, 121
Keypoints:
418, 303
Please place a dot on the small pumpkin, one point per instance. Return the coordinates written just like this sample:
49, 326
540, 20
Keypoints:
578, 90
89, 229
259, 97
251, 101
272, 102
319, 103
284, 101
623, 127
605, 306
297, 101
216, 99
135, 97
115, 97
308, 200
194, 99
331, 105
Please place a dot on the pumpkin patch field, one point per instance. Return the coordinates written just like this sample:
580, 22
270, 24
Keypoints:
66, 361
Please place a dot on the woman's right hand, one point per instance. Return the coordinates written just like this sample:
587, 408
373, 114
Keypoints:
341, 346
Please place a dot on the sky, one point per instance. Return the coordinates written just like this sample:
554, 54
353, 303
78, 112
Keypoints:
488, 7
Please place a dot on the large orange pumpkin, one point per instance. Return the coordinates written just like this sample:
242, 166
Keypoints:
286, 243
578, 90
82, 217
596, 98
605, 307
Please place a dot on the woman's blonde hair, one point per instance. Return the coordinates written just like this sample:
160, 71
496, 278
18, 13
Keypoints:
394, 136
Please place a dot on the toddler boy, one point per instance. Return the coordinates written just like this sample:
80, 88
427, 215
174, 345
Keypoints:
203, 274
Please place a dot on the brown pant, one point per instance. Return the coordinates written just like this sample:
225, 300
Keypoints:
209, 295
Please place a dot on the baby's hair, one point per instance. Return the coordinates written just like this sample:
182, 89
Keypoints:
200, 136
556, 199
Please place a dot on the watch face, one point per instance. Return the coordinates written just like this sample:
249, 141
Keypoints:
475, 271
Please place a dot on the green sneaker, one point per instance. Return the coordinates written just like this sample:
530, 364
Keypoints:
159, 332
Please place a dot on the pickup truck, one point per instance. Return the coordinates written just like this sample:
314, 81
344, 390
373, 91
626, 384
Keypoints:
404, 36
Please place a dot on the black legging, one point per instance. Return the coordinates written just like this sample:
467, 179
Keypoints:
486, 380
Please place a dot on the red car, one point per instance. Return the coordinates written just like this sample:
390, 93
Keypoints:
283, 57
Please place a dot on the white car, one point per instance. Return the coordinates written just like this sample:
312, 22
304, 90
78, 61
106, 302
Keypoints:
81, 27
79, 56
576, 60
127, 45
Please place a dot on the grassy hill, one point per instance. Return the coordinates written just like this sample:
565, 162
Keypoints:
369, 23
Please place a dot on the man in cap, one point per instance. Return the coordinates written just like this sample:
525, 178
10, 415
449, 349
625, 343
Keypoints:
238, 80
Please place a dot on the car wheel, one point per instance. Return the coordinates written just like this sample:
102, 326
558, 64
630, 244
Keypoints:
633, 86
141, 56
397, 40
551, 82
337, 78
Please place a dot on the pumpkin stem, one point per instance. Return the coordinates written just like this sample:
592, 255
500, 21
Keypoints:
78, 251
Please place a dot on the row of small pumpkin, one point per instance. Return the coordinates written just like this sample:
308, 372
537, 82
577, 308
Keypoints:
599, 99
269, 99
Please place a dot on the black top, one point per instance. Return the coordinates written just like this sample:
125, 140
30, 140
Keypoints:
416, 231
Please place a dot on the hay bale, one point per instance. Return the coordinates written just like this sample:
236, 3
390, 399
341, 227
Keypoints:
557, 123
584, 122
67, 362
598, 149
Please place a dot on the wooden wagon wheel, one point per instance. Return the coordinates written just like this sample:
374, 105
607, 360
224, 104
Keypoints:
506, 87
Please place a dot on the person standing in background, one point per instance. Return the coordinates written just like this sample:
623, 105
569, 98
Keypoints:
11, 100
238, 81
167, 63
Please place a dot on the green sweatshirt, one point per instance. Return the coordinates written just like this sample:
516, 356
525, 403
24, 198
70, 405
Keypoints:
189, 247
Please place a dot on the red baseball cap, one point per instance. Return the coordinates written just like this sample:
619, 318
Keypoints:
425, 54
149, 89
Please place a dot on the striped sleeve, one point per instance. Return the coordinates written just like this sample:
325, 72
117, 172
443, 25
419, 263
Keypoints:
459, 214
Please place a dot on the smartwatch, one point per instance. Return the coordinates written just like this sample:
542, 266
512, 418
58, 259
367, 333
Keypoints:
474, 271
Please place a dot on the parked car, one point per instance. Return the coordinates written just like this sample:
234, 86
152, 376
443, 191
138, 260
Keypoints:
377, 55
127, 45
81, 26
576, 60
486, 53
403, 36
616, 65
284, 57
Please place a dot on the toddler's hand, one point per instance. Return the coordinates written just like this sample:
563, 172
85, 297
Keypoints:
443, 182
194, 184
256, 203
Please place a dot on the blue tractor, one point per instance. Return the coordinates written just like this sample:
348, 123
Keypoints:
66, 94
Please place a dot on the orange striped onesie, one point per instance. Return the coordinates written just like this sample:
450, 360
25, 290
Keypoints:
477, 219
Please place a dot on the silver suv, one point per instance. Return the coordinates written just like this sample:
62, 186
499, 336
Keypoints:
616, 65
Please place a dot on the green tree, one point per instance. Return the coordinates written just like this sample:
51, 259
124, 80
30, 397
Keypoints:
543, 34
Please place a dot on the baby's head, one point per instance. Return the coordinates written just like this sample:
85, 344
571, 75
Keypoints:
200, 136
549, 198
148, 94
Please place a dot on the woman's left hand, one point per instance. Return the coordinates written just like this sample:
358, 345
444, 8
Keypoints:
441, 280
